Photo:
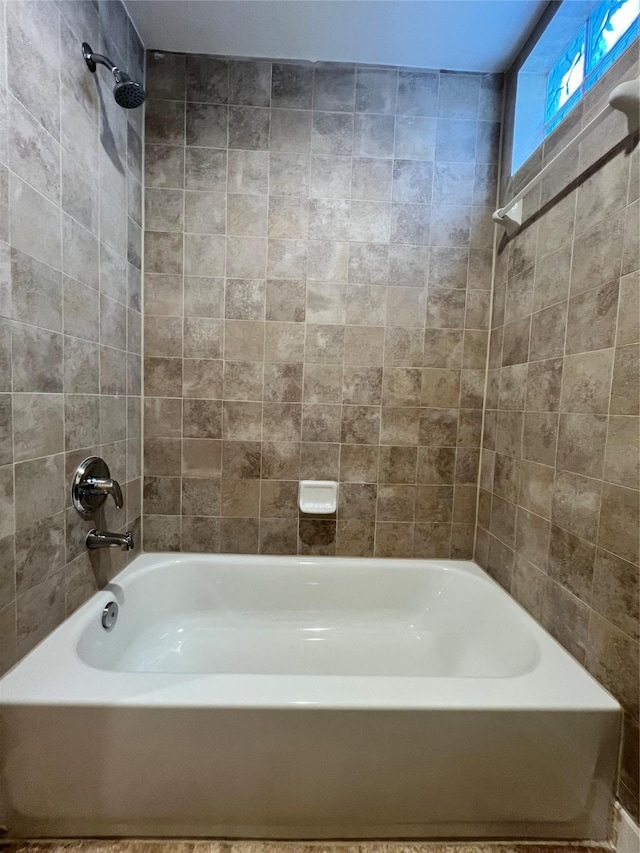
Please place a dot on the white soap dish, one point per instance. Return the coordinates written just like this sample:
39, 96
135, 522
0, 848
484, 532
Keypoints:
319, 497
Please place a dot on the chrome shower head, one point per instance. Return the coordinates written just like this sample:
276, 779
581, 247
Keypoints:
127, 93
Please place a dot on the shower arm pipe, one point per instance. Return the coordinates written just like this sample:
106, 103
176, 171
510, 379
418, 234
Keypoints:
624, 98
93, 59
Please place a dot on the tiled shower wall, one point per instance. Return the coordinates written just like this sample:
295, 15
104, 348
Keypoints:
70, 322
318, 252
559, 502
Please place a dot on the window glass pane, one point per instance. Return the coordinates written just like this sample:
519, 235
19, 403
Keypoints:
609, 22
566, 76
562, 113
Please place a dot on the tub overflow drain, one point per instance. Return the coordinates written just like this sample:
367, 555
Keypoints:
110, 616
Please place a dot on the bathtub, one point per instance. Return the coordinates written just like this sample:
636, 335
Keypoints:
269, 697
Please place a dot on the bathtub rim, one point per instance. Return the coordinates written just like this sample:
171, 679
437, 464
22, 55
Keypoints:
54, 674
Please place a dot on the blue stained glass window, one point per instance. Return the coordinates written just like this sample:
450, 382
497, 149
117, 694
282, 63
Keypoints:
566, 76
546, 97
608, 32
609, 22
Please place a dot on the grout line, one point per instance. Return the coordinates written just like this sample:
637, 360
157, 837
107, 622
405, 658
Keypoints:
182, 324
141, 419
492, 290
606, 437
264, 321
14, 656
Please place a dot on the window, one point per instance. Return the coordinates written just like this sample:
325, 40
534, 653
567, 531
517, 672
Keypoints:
565, 79
608, 31
580, 42
608, 24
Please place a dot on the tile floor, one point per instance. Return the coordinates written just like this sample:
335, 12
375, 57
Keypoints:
175, 846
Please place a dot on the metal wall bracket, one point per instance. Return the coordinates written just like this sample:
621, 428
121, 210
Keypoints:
510, 219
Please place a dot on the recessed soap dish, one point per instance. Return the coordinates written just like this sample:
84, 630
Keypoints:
318, 497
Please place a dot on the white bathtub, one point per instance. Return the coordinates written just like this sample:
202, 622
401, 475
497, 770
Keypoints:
305, 698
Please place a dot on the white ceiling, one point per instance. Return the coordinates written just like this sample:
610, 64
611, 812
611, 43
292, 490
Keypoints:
459, 35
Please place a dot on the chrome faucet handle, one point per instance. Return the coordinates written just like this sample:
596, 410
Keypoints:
104, 486
92, 484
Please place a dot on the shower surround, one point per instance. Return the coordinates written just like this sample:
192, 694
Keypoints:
318, 253
70, 294
558, 520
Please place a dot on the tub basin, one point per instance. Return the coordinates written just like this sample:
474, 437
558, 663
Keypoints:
291, 697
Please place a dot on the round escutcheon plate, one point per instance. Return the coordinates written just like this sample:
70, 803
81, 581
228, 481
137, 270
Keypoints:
110, 616
85, 502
